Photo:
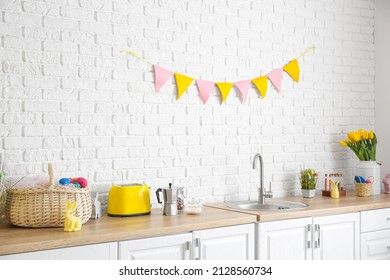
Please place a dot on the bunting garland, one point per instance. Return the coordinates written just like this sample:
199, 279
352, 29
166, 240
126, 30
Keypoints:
292, 68
243, 86
161, 76
224, 88
276, 78
262, 84
205, 88
182, 83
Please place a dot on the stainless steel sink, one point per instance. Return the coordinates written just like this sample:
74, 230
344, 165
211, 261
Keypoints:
270, 206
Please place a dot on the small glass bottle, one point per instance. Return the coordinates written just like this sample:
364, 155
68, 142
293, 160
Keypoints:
180, 198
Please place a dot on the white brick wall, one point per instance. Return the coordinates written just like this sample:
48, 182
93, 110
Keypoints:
68, 96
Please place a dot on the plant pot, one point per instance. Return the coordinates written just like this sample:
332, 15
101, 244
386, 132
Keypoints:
373, 170
308, 193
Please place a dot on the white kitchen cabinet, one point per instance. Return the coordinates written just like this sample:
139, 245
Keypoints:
319, 238
226, 243
336, 237
102, 251
375, 234
284, 240
169, 247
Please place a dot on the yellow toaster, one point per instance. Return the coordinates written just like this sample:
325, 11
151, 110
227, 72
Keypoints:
128, 200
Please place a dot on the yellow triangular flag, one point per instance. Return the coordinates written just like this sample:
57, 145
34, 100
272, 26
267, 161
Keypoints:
182, 83
292, 68
224, 88
262, 84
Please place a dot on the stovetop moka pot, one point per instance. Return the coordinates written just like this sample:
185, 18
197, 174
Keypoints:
169, 200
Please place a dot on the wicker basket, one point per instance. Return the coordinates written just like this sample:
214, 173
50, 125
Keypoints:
45, 206
363, 189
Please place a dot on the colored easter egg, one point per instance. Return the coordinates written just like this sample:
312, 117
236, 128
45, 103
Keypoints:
357, 179
64, 181
76, 185
360, 179
82, 181
368, 181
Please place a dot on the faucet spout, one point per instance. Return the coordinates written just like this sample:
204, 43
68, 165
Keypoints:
262, 193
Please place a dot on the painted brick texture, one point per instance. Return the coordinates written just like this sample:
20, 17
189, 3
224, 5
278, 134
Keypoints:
68, 95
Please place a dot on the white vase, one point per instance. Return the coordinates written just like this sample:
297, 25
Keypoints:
370, 170
308, 193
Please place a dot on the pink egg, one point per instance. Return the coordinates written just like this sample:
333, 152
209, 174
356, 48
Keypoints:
368, 181
82, 181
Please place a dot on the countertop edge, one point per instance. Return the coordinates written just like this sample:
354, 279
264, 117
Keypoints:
81, 239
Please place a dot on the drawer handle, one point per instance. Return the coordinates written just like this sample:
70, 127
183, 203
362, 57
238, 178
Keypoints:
388, 219
388, 247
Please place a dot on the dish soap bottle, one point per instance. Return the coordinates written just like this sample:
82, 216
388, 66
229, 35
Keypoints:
334, 193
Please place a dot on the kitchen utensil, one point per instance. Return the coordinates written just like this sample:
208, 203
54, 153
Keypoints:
128, 200
169, 200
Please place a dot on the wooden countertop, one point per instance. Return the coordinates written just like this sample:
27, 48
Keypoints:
319, 205
107, 229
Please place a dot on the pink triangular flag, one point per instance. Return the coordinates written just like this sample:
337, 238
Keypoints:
276, 78
243, 86
205, 88
161, 76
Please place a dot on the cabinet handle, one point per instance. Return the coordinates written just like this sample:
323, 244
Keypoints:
388, 247
188, 249
388, 219
317, 242
198, 246
308, 235
319, 236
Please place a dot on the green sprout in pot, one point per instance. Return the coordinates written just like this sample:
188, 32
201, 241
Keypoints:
308, 179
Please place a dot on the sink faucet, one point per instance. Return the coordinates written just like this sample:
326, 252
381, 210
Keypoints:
262, 193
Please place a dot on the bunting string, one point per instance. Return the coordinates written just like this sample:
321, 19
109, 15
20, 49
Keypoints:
309, 49
205, 88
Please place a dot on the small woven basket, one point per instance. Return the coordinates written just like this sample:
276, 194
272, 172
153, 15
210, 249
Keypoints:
45, 206
363, 189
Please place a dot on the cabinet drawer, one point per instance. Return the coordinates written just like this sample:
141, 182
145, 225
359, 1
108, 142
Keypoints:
375, 220
375, 245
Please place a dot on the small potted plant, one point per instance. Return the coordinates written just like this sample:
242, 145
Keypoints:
308, 179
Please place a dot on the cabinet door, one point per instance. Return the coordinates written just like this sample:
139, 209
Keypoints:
103, 251
169, 247
284, 240
226, 243
336, 237
375, 245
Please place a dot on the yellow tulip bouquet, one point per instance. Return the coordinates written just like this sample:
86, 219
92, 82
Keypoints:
362, 143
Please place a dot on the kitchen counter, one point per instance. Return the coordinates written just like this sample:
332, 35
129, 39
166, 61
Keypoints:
319, 205
107, 229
